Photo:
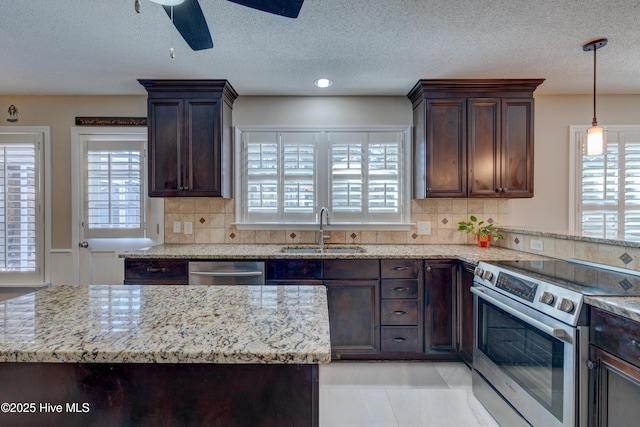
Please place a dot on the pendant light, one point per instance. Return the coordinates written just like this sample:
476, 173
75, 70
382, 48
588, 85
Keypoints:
596, 135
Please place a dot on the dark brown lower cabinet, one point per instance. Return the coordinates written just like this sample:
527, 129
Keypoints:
156, 271
440, 302
354, 320
615, 353
465, 312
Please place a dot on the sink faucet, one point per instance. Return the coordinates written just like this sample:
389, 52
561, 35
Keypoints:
321, 236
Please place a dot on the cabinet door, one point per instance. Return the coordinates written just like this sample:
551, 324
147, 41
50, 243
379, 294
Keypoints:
440, 301
203, 169
166, 153
484, 147
446, 163
156, 272
354, 316
517, 148
465, 312
618, 391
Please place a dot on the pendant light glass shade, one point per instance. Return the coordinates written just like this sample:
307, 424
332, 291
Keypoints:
596, 137
596, 140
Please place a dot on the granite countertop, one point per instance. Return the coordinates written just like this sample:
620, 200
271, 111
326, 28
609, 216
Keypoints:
167, 324
628, 307
468, 253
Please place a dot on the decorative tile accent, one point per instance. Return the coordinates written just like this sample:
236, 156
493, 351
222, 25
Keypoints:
490, 220
626, 258
202, 220
445, 221
292, 235
232, 235
626, 285
516, 241
414, 236
354, 235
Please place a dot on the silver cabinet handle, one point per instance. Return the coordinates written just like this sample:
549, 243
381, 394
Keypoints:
398, 339
399, 268
156, 270
399, 312
400, 289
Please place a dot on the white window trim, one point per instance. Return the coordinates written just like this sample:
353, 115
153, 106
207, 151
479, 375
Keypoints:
44, 238
406, 176
576, 138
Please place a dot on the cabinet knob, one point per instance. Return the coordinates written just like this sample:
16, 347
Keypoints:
635, 343
591, 364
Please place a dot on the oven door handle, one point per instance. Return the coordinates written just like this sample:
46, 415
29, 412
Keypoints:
554, 332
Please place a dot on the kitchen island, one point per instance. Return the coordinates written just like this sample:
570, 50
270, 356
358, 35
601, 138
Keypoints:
163, 355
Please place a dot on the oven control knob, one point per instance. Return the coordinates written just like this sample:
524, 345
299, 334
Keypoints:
479, 271
566, 305
548, 298
487, 275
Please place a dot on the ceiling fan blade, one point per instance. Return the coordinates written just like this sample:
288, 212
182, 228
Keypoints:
190, 22
288, 8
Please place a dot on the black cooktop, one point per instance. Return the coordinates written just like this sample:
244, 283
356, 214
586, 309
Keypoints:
581, 276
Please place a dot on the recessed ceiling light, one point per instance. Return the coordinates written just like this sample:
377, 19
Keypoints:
323, 83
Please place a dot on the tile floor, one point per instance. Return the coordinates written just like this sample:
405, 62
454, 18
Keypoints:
399, 394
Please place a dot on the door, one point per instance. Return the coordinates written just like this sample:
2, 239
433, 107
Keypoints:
166, 153
440, 302
110, 211
517, 148
484, 147
446, 172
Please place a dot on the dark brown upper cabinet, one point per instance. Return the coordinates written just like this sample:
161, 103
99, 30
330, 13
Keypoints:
190, 137
473, 138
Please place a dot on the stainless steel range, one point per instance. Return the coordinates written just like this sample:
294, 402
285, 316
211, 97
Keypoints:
531, 337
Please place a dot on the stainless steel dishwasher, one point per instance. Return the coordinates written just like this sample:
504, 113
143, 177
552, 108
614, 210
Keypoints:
226, 273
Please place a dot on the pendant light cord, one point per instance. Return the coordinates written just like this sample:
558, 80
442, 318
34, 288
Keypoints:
595, 121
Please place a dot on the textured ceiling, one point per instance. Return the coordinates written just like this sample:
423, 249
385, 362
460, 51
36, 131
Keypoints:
367, 47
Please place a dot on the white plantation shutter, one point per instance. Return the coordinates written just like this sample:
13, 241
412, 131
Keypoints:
288, 176
609, 187
19, 189
114, 190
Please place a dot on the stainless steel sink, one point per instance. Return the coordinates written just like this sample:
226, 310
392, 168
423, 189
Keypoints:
325, 250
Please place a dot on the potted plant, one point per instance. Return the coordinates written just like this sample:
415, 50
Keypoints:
484, 232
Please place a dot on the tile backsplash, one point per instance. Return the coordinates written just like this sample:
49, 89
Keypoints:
213, 221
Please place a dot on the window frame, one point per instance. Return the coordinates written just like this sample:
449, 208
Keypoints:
576, 141
42, 273
322, 186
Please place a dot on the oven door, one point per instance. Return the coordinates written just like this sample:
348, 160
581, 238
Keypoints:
528, 357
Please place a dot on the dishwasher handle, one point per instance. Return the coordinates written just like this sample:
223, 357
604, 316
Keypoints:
227, 273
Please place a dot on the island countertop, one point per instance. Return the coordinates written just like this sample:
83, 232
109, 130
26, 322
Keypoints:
468, 253
167, 324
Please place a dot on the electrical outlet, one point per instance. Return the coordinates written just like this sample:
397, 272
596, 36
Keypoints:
536, 245
424, 228
176, 226
188, 227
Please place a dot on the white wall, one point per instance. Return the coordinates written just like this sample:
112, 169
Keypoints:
549, 208
322, 111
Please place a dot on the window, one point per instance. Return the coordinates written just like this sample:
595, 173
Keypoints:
289, 175
608, 186
21, 217
114, 188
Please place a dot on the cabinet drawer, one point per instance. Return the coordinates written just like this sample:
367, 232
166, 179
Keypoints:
292, 269
156, 271
399, 288
394, 339
399, 312
358, 269
399, 268
617, 335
